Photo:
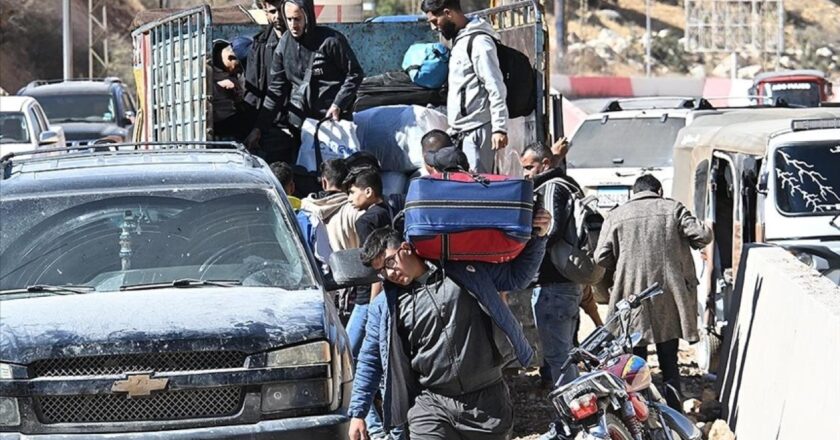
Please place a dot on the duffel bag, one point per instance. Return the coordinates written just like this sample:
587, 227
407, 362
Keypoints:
469, 217
395, 88
427, 64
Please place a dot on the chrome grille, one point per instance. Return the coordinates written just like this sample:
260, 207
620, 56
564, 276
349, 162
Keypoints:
173, 405
120, 364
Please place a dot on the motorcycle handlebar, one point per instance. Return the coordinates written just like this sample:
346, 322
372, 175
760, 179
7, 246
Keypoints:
650, 292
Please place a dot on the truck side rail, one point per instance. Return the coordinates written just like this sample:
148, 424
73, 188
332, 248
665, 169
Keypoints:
172, 54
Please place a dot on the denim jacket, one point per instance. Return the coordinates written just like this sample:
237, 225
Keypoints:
382, 357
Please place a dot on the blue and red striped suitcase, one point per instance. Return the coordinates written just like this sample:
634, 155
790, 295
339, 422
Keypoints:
469, 217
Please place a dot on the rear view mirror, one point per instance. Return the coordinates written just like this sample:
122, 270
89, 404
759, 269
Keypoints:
48, 138
348, 270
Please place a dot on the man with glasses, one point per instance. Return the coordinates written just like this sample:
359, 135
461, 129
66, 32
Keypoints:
439, 338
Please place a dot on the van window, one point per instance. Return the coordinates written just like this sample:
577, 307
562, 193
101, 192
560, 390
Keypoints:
621, 143
807, 181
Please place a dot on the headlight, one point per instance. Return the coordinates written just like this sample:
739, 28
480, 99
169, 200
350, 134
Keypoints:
307, 354
296, 395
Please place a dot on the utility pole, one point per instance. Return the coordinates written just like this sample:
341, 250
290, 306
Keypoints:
560, 29
648, 38
67, 46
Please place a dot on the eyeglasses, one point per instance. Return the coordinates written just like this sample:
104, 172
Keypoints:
388, 263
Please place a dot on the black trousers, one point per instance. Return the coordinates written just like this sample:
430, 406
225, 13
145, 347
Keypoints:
667, 353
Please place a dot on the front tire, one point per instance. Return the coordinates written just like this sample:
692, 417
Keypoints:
616, 428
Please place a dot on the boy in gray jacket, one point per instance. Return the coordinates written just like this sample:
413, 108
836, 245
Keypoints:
476, 97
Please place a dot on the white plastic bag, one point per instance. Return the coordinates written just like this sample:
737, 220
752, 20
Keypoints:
393, 133
337, 140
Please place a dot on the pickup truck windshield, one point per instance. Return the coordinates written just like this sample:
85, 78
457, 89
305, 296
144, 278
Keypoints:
112, 241
622, 143
806, 94
78, 108
13, 128
807, 181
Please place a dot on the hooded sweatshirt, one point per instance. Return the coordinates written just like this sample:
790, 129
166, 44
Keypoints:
477, 81
335, 73
335, 211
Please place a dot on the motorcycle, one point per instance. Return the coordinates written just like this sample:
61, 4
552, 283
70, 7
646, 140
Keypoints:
615, 399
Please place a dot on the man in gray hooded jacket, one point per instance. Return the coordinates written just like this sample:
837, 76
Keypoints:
476, 98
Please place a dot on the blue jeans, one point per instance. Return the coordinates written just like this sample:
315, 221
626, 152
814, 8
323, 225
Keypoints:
356, 332
556, 309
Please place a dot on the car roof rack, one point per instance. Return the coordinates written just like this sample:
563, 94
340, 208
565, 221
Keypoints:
684, 102
815, 124
777, 102
7, 162
44, 82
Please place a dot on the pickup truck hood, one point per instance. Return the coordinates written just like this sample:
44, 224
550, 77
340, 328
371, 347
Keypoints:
87, 131
172, 319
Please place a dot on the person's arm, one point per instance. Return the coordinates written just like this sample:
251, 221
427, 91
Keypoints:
697, 233
345, 59
605, 254
518, 273
278, 89
588, 304
369, 364
485, 61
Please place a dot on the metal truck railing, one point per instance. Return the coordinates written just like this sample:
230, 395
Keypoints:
175, 53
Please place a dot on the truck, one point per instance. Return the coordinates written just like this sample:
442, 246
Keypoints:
175, 99
805, 88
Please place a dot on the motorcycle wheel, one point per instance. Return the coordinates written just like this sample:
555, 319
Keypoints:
616, 428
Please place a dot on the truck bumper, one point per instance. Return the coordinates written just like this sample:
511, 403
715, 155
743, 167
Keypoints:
326, 427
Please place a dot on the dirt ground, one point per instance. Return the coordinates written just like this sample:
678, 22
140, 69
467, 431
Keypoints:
533, 412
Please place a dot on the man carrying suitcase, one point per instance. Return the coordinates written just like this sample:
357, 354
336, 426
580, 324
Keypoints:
439, 337
476, 97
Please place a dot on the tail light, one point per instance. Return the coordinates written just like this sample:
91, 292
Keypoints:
584, 406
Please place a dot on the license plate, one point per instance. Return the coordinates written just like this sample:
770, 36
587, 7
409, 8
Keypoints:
612, 196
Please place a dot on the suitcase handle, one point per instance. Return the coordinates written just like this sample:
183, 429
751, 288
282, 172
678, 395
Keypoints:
477, 178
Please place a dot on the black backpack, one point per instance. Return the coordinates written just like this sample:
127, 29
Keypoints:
519, 76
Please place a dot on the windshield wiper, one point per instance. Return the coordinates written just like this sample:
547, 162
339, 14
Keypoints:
183, 283
61, 290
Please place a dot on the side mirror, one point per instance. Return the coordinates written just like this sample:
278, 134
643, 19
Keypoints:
48, 137
762, 184
348, 271
128, 118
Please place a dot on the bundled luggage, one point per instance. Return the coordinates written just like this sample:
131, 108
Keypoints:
469, 217
394, 88
393, 133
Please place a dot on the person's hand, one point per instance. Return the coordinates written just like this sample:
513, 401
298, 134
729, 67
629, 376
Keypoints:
542, 222
561, 147
226, 84
334, 112
500, 141
252, 142
358, 430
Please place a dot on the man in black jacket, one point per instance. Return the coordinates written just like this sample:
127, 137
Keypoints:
274, 144
314, 74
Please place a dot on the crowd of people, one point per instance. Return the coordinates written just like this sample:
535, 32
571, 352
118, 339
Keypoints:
431, 339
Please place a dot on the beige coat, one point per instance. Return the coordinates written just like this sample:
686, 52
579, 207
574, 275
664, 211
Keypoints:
648, 240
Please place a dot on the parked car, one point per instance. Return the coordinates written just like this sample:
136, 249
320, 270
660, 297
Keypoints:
24, 127
89, 110
612, 148
765, 175
163, 293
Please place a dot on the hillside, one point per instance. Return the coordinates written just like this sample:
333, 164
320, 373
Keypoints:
606, 37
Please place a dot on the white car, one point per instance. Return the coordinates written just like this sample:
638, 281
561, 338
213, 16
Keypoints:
24, 126
626, 139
